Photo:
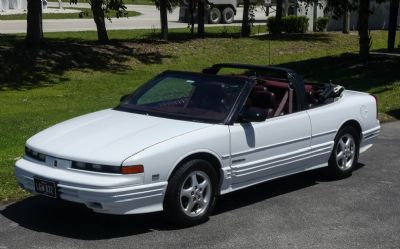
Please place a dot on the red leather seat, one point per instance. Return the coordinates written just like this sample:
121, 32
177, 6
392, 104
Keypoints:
264, 99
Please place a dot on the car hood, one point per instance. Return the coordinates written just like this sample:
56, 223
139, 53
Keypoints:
108, 137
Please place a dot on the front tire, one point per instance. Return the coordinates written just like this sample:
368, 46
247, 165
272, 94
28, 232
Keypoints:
191, 193
345, 152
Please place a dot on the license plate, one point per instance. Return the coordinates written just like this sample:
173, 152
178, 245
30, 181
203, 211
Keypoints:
45, 187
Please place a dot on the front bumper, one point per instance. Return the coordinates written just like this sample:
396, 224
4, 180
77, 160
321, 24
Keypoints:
103, 193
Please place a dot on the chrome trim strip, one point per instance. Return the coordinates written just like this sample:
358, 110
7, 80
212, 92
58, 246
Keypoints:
373, 130
263, 169
282, 159
323, 133
270, 146
224, 157
239, 160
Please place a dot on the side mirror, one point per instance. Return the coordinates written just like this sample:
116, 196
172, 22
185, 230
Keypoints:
253, 114
123, 98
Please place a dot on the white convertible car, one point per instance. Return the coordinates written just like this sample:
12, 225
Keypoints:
184, 138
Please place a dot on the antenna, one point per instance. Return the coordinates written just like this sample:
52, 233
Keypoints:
269, 50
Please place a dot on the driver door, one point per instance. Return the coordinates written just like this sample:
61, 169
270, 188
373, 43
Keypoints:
264, 150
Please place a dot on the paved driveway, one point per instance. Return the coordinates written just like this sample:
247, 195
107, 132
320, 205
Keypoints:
150, 19
303, 211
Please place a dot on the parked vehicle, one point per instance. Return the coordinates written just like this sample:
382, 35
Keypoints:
219, 11
184, 138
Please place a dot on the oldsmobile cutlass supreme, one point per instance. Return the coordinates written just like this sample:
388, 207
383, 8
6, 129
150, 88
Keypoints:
184, 138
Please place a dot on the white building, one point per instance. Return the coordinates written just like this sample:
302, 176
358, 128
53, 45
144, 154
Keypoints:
13, 5
379, 18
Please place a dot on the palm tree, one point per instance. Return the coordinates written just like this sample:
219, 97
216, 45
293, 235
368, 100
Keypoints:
363, 30
394, 10
278, 16
200, 18
34, 32
245, 32
164, 19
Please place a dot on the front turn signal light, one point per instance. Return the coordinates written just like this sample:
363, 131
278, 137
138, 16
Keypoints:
135, 169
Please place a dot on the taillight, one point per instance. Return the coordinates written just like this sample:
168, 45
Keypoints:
376, 104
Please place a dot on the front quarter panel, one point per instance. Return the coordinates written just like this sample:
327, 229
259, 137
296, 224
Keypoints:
161, 159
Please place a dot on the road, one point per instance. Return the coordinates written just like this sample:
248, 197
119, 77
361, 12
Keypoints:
302, 211
149, 19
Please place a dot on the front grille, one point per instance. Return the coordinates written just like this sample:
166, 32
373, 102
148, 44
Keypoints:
77, 165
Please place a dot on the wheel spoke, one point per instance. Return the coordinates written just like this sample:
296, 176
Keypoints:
194, 180
348, 141
342, 144
204, 184
189, 208
203, 202
340, 155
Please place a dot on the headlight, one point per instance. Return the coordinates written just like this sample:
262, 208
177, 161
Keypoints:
35, 155
88, 166
96, 167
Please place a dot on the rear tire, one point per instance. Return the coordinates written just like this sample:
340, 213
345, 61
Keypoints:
228, 15
345, 153
191, 193
214, 16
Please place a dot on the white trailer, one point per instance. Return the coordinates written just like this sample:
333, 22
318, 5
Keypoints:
219, 11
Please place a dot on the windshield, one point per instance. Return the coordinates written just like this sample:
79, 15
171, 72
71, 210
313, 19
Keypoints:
186, 96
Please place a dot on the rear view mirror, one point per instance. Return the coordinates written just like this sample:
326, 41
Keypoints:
253, 114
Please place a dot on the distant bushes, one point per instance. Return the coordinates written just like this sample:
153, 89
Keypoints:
289, 24
272, 26
322, 23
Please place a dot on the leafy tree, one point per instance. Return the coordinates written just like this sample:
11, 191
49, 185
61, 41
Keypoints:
34, 32
101, 10
342, 7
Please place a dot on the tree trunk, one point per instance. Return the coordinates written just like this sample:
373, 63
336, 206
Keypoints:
278, 16
34, 32
200, 19
363, 31
315, 15
285, 10
346, 22
191, 19
164, 19
245, 21
394, 10
98, 16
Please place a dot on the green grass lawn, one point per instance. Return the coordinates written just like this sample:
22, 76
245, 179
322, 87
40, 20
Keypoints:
73, 74
85, 13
